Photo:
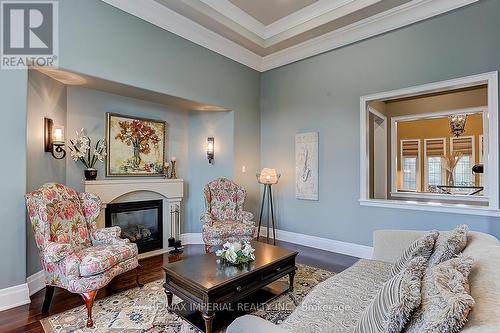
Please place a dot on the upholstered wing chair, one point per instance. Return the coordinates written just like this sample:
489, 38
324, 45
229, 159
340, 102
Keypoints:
224, 218
75, 255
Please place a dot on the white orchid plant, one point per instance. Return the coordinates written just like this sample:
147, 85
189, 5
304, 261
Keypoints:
236, 253
82, 149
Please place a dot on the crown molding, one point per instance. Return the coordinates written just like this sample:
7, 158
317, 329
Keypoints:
398, 17
167, 19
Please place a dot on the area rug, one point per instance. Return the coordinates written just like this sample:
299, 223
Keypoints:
144, 309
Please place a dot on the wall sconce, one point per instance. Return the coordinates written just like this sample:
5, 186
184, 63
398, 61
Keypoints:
54, 139
210, 150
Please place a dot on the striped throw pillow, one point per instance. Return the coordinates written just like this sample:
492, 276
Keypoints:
422, 247
395, 302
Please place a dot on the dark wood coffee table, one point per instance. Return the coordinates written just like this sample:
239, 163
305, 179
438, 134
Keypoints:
210, 287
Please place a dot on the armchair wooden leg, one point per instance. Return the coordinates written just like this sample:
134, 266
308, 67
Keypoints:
137, 271
89, 303
49, 292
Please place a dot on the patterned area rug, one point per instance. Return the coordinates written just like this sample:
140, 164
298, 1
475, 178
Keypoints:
144, 309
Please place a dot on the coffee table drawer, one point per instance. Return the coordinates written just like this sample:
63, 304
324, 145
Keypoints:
236, 291
282, 268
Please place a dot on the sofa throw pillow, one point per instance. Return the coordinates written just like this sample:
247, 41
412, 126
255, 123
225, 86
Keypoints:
397, 299
446, 299
449, 245
422, 247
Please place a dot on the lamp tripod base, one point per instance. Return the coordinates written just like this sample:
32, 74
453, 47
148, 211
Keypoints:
268, 191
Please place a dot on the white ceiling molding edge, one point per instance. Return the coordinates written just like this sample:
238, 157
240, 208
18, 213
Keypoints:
159, 15
409, 13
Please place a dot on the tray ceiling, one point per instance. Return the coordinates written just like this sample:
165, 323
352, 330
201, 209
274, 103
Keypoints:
265, 34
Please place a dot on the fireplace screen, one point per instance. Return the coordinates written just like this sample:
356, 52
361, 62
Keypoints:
140, 222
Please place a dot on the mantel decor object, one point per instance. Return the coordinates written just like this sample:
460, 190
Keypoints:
267, 177
173, 173
84, 151
236, 253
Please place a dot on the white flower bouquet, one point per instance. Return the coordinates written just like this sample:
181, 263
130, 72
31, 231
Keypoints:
236, 253
84, 151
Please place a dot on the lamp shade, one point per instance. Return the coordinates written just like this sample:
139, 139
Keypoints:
268, 176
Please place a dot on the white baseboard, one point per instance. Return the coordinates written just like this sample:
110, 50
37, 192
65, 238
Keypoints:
36, 282
192, 238
14, 296
351, 249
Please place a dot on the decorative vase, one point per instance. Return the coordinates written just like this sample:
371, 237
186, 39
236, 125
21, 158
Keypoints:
90, 174
451, 181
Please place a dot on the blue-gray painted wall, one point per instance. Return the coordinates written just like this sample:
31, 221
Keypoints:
102, 41
322, 94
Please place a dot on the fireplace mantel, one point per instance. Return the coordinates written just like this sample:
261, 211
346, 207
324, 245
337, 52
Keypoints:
130, 190
110, 189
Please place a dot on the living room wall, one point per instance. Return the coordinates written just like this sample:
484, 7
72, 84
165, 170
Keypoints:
322, 94
46, 98
102, 41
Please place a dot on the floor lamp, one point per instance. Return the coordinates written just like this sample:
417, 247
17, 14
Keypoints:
267, 177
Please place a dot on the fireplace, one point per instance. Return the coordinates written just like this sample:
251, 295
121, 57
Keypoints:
140, 221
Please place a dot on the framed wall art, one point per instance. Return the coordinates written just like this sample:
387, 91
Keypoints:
136, 146
306, 166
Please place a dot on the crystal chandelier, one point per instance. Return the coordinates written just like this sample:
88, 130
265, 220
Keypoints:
457, 124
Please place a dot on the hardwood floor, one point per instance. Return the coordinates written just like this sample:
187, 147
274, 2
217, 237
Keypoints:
26, 318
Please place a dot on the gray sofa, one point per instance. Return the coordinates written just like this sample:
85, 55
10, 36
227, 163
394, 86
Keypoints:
336, 304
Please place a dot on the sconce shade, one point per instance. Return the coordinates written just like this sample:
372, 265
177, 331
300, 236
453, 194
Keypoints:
268, 176
58, 134
210, 149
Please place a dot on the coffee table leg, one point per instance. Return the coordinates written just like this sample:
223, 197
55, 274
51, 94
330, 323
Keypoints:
291, 276
169, 298
208, 317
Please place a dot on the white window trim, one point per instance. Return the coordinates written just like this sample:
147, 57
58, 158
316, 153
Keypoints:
417, 169
426, 165
491, 140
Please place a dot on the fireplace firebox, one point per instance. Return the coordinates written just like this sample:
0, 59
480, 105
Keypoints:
140, 221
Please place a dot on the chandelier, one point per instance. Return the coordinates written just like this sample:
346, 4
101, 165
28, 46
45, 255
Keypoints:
457, 124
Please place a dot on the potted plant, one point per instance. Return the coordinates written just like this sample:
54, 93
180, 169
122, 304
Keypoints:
88, 154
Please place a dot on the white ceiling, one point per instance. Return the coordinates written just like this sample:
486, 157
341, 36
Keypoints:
264, 34
269, 11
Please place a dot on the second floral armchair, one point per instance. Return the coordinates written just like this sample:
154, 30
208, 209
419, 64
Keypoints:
224, 219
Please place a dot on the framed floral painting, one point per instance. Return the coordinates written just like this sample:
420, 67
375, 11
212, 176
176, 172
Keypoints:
136, 146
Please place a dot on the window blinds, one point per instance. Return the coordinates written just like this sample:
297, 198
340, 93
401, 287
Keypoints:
463, 145
409, 147
434, 147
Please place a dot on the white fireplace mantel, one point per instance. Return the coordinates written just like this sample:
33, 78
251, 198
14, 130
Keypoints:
126, 190
110, 189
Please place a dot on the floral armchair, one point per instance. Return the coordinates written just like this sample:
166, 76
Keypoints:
75, 255
224, 219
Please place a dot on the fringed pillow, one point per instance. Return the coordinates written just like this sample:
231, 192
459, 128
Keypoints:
449, 245
395, 302
446, 299
422, 247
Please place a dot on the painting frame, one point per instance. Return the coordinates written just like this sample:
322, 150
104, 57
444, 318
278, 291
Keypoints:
307, 166
110, 146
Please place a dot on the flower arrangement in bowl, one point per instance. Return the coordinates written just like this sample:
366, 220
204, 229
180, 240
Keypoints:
88, 154
236, 253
